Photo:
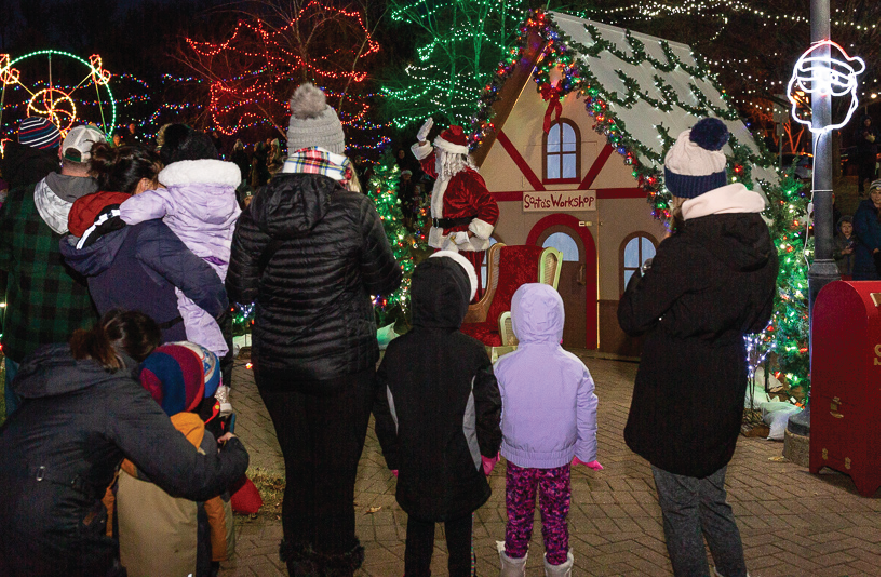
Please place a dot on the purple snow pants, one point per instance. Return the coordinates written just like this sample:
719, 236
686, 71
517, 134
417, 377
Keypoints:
553, 491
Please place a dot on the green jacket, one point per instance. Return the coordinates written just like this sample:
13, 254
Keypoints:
45, 300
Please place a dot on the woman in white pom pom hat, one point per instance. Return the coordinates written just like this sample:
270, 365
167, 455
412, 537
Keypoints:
712, 281
310, 252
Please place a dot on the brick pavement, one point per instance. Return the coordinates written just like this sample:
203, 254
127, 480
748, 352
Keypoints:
793, 524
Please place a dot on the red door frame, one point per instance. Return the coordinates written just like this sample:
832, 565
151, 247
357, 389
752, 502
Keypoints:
590, 256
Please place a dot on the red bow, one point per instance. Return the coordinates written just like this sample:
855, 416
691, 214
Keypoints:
552, 95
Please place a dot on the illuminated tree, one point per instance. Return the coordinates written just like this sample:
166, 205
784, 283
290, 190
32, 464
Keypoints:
406, 246
245, 78
463, 43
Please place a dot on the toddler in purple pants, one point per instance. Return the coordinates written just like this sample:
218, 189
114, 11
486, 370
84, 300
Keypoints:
548, 423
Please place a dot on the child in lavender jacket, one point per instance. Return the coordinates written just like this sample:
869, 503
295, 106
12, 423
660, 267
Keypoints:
548, 422
199, 204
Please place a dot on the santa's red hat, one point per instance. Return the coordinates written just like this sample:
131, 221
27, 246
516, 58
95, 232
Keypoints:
453, 139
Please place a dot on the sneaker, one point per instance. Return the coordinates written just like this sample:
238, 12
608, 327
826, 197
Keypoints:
222, 396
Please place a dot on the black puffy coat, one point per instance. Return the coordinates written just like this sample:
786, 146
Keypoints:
60, 451
325, 254
710, 283
438, 405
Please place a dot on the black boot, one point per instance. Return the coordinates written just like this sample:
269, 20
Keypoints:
343, 565
299, 559
303, 561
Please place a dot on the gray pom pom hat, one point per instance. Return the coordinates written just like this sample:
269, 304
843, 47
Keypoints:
313, 123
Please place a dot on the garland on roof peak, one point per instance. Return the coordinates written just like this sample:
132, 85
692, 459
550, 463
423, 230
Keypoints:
561, 51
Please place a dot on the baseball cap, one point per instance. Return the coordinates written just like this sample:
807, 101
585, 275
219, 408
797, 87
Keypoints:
77, 145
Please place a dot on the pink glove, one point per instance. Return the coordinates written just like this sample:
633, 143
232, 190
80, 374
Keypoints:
595, 465
395, 473
489, 464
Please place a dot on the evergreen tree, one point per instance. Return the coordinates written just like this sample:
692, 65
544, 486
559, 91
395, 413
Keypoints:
383, 190
463, 43
787, 335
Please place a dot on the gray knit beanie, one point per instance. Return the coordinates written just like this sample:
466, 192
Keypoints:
313, 122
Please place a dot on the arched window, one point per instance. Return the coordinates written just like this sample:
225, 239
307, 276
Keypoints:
563, 243
561, 162
635, 249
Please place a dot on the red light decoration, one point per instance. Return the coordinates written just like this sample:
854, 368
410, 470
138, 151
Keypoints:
250, 74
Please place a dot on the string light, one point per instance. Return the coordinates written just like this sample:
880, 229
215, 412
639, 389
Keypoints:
57, 102
269, 68
451, 68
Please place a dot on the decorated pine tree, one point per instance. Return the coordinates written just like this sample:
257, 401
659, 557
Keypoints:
462, 42
383, 190
788, 333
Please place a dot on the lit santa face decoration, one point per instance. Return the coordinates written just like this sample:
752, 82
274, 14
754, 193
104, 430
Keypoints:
820, 75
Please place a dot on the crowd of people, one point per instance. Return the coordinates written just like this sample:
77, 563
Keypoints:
121, 267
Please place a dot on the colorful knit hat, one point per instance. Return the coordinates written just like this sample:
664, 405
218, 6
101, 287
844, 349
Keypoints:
453, 139
876, 185
175, 378
696, 164
38, 133
313, 123
209, 365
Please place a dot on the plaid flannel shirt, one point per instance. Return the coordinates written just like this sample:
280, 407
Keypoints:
45, 300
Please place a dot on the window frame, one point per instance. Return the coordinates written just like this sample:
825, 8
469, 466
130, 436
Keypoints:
623, 248
577, 153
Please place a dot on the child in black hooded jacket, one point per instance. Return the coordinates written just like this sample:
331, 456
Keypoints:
437, 416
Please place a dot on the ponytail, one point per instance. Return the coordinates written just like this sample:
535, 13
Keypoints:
129, 332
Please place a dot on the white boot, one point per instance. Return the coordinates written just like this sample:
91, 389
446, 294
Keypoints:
510, 567
564, 570
717, 574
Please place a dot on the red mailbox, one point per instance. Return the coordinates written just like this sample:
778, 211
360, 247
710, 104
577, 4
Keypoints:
846, 382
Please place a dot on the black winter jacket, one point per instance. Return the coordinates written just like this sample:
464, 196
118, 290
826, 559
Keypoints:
438, 405
138, 268
709, 284
60, 451
311, 254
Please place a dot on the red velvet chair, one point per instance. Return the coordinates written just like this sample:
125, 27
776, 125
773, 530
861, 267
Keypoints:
508, 267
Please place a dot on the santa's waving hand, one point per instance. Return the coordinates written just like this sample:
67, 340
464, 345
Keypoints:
463, 212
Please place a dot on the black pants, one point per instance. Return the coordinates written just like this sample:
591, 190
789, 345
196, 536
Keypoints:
420, 545
321, 438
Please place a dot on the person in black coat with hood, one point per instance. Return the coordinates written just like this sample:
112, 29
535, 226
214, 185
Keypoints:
712, 281
83, 412
311, 253
437, 413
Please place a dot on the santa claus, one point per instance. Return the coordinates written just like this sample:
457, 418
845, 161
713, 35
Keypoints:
463, 212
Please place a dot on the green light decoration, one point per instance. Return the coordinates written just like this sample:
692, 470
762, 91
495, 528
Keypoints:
787, 334
561, 51
406, 245
54, 102
464, 41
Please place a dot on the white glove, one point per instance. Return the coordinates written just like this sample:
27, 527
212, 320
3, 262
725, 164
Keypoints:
462, 237
450, 244
424, 130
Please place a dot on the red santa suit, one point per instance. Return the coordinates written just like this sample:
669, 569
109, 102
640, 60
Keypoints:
459, 203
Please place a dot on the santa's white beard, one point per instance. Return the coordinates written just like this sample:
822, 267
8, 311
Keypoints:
447, 165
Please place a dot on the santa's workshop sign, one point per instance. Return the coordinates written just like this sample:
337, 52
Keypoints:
559, 200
